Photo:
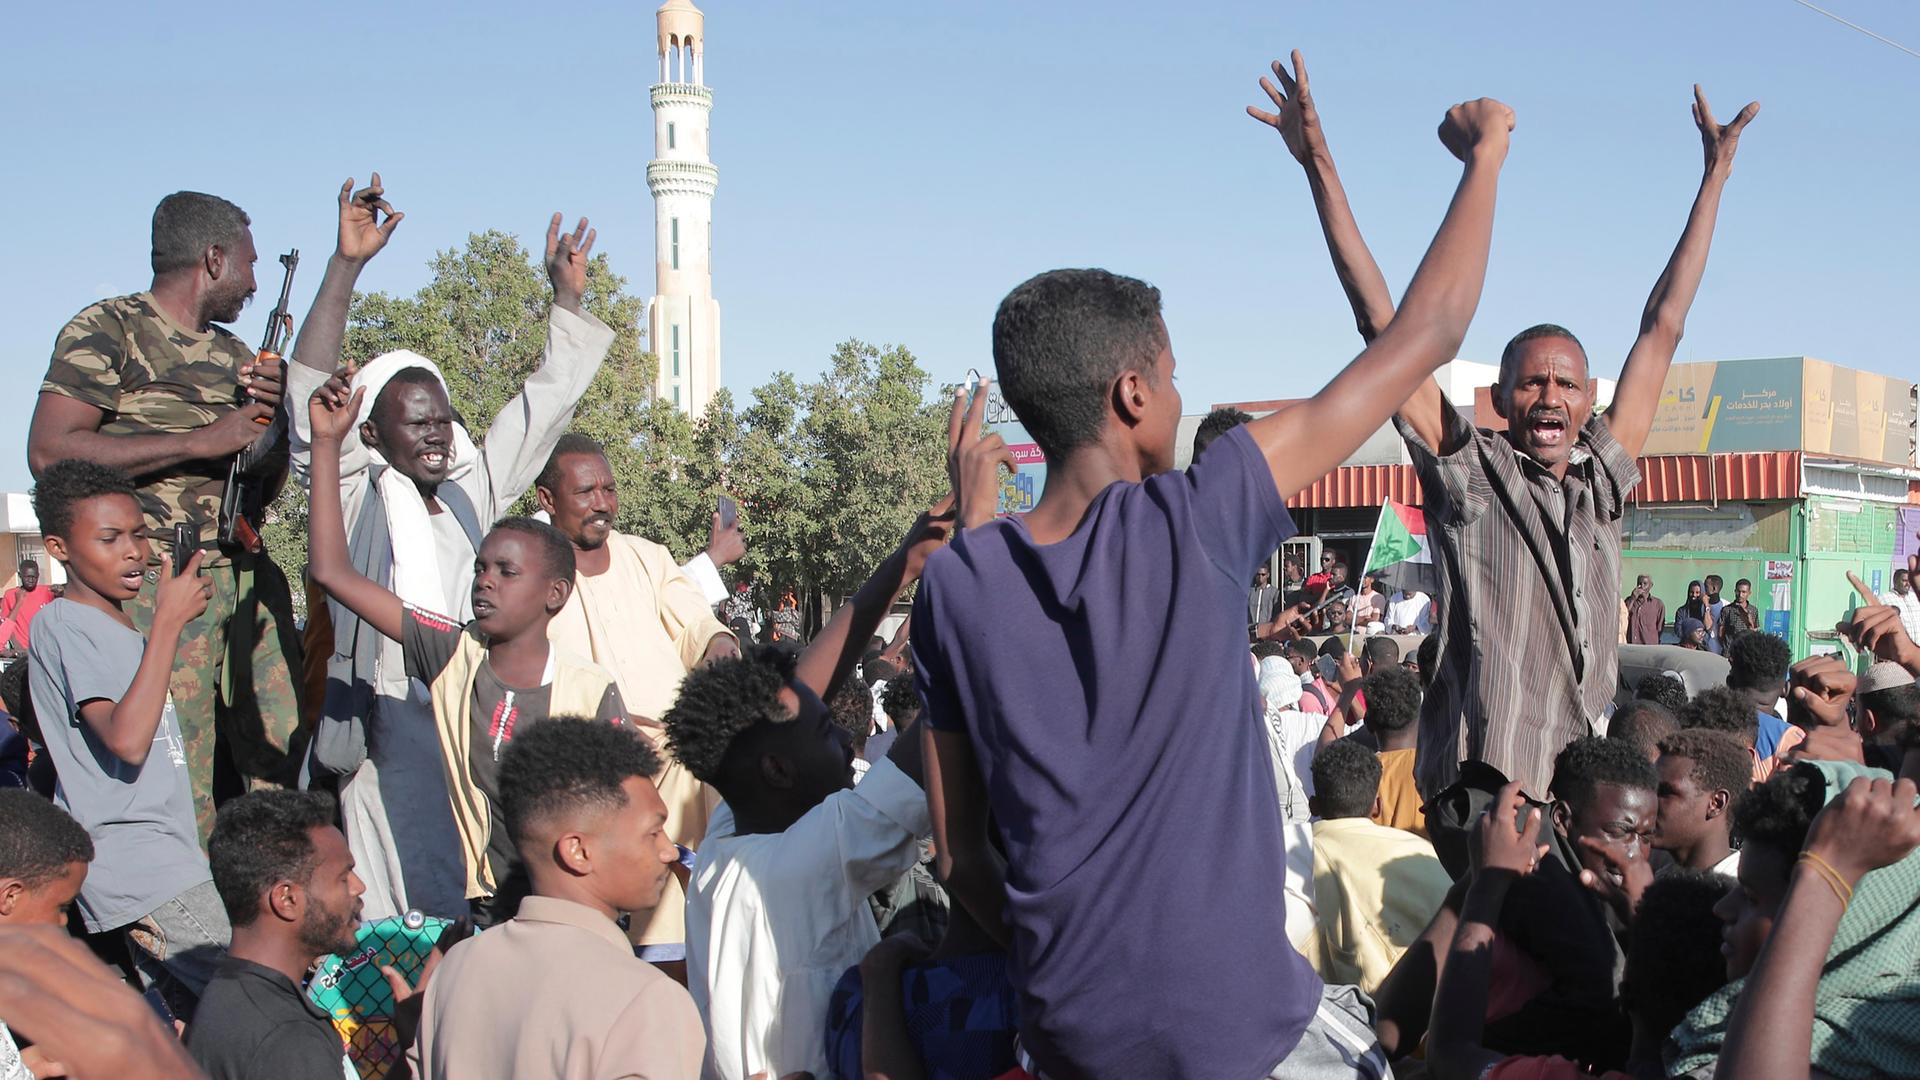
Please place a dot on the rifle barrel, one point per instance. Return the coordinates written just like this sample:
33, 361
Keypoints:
277, 320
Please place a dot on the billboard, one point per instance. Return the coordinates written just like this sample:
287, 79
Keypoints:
1019, 490
1782, 403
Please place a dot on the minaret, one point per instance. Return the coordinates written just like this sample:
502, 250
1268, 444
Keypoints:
683, 319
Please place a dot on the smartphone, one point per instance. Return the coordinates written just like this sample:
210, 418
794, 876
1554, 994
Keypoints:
186, 540
729, 512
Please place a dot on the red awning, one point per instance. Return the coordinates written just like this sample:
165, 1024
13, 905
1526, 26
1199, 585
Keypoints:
1680, 478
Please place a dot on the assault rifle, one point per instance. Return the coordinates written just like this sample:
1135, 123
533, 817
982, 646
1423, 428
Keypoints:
243, 503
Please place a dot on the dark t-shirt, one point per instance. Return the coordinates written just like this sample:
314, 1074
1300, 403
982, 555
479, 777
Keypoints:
498, 712
253, 1023
1105, 686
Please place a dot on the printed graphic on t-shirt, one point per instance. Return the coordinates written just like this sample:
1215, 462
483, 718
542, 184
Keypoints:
169, 733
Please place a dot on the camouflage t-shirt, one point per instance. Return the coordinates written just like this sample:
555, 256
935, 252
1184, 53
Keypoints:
151, 375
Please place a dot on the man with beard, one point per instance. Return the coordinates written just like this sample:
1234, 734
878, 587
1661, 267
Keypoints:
152, 386
1525, 521
418, 493
641, 618
287, 881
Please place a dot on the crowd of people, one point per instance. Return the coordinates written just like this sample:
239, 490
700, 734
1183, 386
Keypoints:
1083, 815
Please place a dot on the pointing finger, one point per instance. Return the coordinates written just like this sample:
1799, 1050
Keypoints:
955, 418
977, 411
1866, 594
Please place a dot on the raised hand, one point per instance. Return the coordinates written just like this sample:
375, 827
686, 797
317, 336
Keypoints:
726, 544
1482, 122
1718, 140
929, 534
1873, 823
567, 263
973, 463
1288, 623
362, 233
183, 597
1877, 627
1348, 667
330, 419
1297, 122
1820, 688
1505, 838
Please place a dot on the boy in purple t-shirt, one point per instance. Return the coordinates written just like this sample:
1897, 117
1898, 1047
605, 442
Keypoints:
1085, 676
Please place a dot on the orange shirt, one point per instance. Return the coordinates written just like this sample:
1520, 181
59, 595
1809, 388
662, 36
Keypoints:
1400, 800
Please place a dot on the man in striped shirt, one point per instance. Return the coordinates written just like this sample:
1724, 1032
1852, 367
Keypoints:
1525, 521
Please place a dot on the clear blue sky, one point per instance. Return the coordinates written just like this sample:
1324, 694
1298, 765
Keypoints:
889, 170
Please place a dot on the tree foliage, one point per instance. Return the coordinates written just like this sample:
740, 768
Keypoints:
829, 474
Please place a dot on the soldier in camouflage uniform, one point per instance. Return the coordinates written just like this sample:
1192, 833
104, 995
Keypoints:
149, 385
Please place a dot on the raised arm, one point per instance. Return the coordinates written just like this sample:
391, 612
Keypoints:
1299, 125
1630, 417
521, 437
127, 726
316, 351
824, 664
1303, 444
330, 413
362, 234
1874, 823
973, 473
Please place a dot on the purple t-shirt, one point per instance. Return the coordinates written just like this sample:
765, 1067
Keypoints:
1105, 685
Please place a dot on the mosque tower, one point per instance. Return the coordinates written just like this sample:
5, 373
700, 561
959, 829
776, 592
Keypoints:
683, 319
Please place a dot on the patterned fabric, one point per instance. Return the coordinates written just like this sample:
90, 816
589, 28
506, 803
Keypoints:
1529, 571
962, 1015
151, 375
232, 675
1866, 1008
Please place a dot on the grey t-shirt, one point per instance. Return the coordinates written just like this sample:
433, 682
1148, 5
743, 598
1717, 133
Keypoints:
146, 849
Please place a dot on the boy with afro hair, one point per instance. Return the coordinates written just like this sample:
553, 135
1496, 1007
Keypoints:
777, 905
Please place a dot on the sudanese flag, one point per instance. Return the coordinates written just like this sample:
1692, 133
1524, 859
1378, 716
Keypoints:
1400, 556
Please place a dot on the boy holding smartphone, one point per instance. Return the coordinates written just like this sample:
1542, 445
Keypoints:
101, 692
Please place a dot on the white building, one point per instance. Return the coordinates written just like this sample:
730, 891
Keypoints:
683, 319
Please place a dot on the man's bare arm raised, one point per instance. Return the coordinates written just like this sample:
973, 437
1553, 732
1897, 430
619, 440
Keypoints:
1630, 417
1303, 444
1298, 123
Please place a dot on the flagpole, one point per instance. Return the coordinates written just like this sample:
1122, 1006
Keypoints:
1385, 506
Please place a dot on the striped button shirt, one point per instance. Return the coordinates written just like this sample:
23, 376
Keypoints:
1529, 571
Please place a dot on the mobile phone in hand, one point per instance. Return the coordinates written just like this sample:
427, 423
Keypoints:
186, 540
729, 512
